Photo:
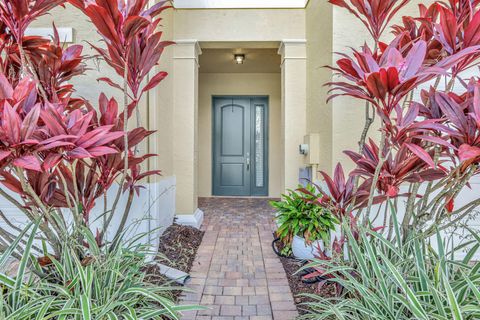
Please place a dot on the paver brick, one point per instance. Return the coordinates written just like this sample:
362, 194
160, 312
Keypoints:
226, 310
224, 300
214, 290
207, 300
261, 318
264, 310
241, 300
283, 306
281, 297
285, 315
232, 291
249, 310
256, 300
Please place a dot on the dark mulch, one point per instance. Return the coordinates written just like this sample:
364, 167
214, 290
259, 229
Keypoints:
178, 248
179, 245
298, 287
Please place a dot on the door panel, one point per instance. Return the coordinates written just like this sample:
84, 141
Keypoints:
239, 146
233, 130
232, 175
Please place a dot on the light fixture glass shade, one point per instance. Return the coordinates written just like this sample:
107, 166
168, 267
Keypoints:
239, 58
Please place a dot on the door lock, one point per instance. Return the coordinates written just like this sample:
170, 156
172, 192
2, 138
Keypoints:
248, 161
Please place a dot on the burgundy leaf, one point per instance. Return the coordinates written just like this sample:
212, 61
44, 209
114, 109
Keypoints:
4, 154
467, 152
155, 80
28, 162
6, 90
421, 153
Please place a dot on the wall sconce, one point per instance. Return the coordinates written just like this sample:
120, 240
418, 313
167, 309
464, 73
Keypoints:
239, 58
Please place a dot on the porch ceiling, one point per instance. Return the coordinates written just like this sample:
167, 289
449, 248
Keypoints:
256, 61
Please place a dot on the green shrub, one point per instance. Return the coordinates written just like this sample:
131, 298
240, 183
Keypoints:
395, 280
103, 285
300, 213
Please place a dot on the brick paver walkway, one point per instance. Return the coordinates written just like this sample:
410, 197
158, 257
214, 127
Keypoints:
235, 273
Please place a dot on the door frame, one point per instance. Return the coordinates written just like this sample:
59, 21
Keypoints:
266, 146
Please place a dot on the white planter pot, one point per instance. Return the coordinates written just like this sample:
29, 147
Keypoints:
302, 250
275, 216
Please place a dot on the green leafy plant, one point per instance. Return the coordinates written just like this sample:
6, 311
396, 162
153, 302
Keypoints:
106, 284
300, 214
400, 280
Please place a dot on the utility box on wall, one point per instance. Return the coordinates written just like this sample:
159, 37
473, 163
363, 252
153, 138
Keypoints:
313, 155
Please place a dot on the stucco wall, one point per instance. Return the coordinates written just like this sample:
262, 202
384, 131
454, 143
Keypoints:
238, 84
319, 25
160, 105
240, 25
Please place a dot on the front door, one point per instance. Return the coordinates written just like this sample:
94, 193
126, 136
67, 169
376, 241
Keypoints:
240, 146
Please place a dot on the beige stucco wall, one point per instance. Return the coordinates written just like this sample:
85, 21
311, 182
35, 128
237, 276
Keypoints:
262, 84
160, 105
240, 25
319, 26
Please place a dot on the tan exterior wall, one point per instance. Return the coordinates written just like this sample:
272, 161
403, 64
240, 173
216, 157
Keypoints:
319, 27
240, 25
262, 84
161, 104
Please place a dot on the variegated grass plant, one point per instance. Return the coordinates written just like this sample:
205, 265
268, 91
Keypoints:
401, 280
107, 284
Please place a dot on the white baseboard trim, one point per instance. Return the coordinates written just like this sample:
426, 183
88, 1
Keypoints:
193, 220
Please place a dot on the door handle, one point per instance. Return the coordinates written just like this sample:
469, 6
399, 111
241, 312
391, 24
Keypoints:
248, 161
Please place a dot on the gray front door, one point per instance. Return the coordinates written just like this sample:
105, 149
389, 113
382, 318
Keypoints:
240, 146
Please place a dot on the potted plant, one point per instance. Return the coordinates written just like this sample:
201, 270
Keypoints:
304, 225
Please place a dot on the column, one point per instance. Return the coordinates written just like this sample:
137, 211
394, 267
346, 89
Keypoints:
294, 107
185, 159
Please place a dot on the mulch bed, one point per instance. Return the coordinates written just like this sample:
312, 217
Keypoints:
179, 245
298, 287
178, 248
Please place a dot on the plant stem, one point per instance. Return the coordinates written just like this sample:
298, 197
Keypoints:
25, 59
409, 209
368, 123
125, 155
118, 235
378, 169
44, 227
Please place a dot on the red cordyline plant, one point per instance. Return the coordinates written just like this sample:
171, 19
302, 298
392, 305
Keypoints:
447, 27
62, 154
133, 48
429, 149
374, 14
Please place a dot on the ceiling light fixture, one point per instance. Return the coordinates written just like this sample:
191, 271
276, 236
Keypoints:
239, 58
